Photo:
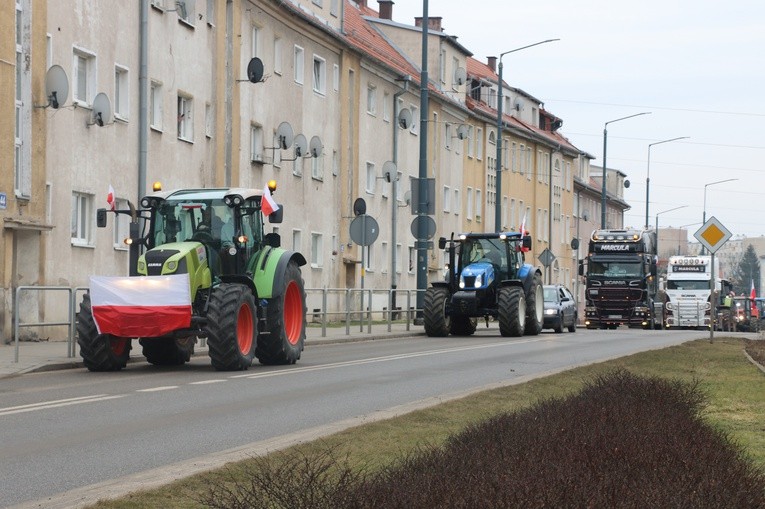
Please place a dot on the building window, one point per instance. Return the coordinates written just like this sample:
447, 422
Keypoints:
319, 75
334, 7
82, 212
479, 143
368, 254
371, 178
317, 250
470, 148
398, 258
317, 167
297, 240
299, 64
371, 99
415, 128
478, 205
386, 106
256, 143
412, 259
447, 196
121, 93
384, 257
278, 55
121, 225
255, 42
336, 77
457, 204
211, 12
185, 10
155, 106
209, 120
448, 136
185, 124
469, 208
84, 76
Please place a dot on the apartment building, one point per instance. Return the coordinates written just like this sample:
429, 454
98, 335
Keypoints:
180, 110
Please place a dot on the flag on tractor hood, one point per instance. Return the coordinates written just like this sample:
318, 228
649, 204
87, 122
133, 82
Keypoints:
141, 306
267, 203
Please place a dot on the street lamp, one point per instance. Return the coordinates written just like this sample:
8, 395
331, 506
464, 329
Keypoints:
648, 172
656, 283
498, 162
704, 217
605, 138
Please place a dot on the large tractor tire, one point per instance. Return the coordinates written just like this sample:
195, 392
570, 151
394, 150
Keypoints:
99, 352
284, 339
535, 307
511, 312
463, 325
437, 322
167, 351
232, 324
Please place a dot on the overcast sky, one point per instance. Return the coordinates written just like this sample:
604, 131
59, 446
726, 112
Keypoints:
698, 67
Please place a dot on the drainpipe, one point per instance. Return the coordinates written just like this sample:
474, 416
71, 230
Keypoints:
229, 94
143, 98
394, 192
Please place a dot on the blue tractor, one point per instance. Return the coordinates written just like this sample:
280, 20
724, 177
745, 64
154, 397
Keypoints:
487, 277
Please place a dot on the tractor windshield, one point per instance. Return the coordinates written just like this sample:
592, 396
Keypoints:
200, 220
484, 250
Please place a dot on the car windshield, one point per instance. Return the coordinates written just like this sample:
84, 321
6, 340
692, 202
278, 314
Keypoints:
615, 269
551, 294
687, 285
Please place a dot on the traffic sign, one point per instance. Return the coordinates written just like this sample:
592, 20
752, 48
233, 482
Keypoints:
428, 224
364, 230
713, 235
546, 257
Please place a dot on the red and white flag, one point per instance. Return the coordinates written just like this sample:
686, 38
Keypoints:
141, 306
110, 198
523, 225
267, 203
752, 293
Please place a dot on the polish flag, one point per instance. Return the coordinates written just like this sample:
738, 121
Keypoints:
267, 203
110, 198
140, 306
752, 293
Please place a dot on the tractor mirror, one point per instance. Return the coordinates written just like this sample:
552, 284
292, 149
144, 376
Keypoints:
581, 267
101, 218
272, 239
277, 215
527, 242
442, 243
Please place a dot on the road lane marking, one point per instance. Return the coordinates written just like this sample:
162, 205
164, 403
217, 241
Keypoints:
157, 389
385, 358
204, 382
56, 404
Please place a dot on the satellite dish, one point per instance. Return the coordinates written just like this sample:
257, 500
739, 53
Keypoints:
56, 86
626, 183
462, 131
301, 145
255, 70
102, 110
586, 215
316, 148
518, 105
285, 135
460, 76
405, 118
389, 171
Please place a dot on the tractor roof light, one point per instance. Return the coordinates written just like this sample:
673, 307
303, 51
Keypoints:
272, 185
157, 186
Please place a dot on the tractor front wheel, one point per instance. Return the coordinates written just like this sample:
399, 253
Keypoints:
535, 307
437, 322
167, 351
284, 340
231, 327
511, 311
99, 352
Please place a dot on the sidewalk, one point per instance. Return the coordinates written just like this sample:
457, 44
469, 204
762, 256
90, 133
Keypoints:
52, 355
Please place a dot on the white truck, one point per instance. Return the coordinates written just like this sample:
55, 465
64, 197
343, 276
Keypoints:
687, 292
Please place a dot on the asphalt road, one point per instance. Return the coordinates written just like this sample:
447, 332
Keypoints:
71, 437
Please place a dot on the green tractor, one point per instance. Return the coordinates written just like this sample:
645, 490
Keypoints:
207, 271
487, 277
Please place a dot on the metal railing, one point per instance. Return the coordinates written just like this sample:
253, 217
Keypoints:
354, 306
69, 322
360, 306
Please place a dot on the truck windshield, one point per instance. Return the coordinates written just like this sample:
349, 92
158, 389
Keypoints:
687, 285
615, 269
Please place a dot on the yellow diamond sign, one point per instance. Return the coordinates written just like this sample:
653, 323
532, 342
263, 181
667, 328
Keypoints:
713, 235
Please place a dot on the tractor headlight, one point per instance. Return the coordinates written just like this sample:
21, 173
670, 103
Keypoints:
478, 281
172, 266
462, 283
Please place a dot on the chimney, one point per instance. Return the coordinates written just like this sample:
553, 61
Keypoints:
434, 23
492, 63
386, 9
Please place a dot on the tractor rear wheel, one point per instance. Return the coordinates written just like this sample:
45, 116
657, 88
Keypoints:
463, 325
231, 327
284, 340
99, 352
167, 351
511, 311
437, 322
535, 307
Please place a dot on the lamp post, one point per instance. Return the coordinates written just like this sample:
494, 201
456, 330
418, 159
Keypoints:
656, 283
498, 162
605, 145
648, 172
704, 216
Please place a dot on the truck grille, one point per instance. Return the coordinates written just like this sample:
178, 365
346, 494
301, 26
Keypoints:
615, 298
